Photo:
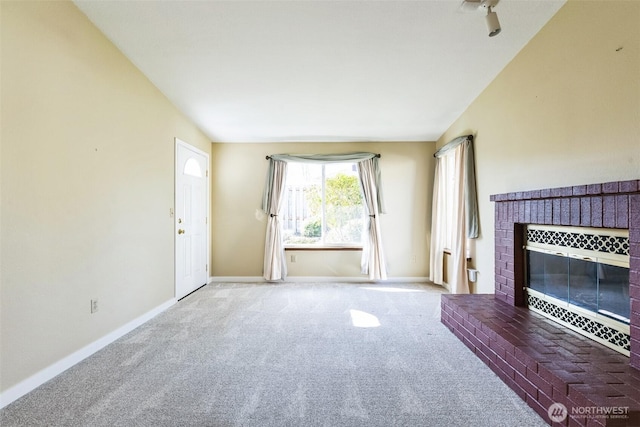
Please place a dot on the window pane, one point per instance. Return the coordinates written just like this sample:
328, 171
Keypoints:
322, 204
302, 207
343, 204
192, 167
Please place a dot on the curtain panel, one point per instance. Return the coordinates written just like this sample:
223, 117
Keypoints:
468, 172
334, 158
438, 230
275, 265
464, 213
373, 262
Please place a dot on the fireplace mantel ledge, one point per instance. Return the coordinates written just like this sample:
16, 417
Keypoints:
608, 188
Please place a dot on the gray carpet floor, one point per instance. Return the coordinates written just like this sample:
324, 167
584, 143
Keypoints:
321, 354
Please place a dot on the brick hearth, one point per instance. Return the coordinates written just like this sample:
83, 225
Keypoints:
539, 359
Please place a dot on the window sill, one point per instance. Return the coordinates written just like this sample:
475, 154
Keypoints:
322, 248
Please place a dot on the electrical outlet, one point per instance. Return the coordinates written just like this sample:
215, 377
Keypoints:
294, 258
413, 259
94, 305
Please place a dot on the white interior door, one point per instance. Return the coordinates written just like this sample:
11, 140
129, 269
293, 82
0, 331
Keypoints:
191, 218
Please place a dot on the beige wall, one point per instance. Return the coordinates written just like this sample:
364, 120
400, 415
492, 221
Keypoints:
87, 169
565, 111
87, 184
238, 231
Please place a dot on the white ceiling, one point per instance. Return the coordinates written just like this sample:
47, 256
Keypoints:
269, 71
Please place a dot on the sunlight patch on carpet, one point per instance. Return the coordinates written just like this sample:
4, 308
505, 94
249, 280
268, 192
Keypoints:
389, 289
362, 319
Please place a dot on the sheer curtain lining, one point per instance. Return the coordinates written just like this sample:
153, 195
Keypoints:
464, 214
331, 158
373, 262
472, 223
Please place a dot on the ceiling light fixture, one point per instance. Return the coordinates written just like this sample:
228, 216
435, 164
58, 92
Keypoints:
492, 22
492, 18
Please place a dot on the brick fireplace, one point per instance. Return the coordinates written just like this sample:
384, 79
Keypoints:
542, 361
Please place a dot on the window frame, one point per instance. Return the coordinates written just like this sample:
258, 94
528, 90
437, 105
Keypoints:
323, 245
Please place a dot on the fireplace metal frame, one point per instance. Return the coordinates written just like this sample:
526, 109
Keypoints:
606, 331
600, 246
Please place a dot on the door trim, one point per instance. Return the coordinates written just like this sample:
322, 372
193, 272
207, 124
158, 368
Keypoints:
176, 171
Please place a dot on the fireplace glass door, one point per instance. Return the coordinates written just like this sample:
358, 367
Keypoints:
579, 277
589, 284
613, 292
583, 284
548, 273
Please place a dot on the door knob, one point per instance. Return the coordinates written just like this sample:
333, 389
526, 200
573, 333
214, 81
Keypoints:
180, 231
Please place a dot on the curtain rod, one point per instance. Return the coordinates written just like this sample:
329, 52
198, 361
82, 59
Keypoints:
377, 155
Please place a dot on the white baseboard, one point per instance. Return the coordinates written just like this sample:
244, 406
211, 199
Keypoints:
306, 279
236, 279
41, 377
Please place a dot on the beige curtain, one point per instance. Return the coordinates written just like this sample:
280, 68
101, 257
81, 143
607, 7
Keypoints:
438, 229
457, 186
373, 261
458, 281
275, 265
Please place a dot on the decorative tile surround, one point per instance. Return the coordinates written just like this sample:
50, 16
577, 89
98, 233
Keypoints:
539, 359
